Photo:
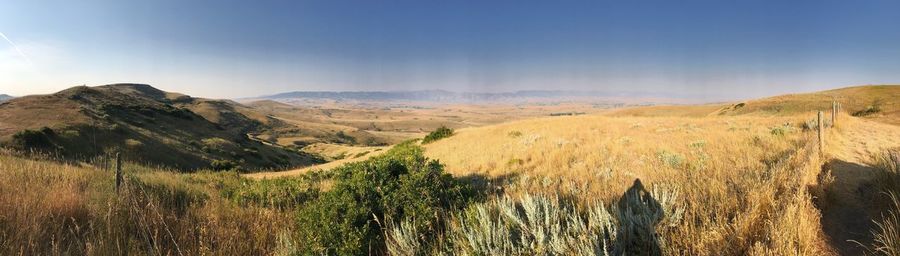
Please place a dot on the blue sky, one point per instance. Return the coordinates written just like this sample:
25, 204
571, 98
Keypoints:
228, 49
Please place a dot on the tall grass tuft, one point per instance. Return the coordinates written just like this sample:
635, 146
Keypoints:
887, 232
887, 163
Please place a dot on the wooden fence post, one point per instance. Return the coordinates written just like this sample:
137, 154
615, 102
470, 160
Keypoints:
118, 170
833, 113
821, 128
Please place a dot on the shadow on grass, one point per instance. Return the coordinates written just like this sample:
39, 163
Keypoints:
486, 186
639, 213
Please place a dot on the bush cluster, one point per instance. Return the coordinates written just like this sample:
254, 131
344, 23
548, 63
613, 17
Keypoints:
402, 184
869, 110
34, 139
440, 133
223, 165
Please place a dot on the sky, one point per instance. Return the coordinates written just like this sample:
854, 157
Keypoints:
232, 49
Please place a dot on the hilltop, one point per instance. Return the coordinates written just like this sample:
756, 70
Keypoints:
881, 101
5, 97
149, 125
877, 102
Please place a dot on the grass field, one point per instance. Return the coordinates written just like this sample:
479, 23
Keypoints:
56, 209
375, 123
753, 170
663, 180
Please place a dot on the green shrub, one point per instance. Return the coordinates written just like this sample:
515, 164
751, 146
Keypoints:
401, 184
440, 133
699, 144
33, 139
223, 165
869, 110
673, 160
778, 131
344, 138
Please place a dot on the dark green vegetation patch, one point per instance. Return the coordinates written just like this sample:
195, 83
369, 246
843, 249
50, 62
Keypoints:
402, 184
440, 133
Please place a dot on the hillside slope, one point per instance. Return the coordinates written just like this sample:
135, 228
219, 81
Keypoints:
883, 100
147, 124
876, 102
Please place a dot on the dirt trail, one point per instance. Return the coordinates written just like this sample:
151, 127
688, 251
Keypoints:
847, 215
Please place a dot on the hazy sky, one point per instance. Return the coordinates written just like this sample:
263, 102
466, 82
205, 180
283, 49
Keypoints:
716, 49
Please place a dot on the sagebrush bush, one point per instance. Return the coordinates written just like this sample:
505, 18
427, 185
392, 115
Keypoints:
549, 225
673, 160
869, 110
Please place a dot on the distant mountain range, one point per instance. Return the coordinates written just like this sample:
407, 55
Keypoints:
4, 97
448, 96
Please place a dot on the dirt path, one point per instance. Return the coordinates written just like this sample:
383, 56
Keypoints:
847, 215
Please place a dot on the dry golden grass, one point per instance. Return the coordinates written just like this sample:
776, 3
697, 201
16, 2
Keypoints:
670, 111
396, 122
337, 154
333, 152
54, 209
853, 99
742, 180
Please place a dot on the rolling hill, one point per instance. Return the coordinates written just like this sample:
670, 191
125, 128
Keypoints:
876, 102
5, 97
149, 125
882, 100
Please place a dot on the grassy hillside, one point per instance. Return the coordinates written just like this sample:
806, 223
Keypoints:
670, 111
886, 98
148, 125
876, 102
